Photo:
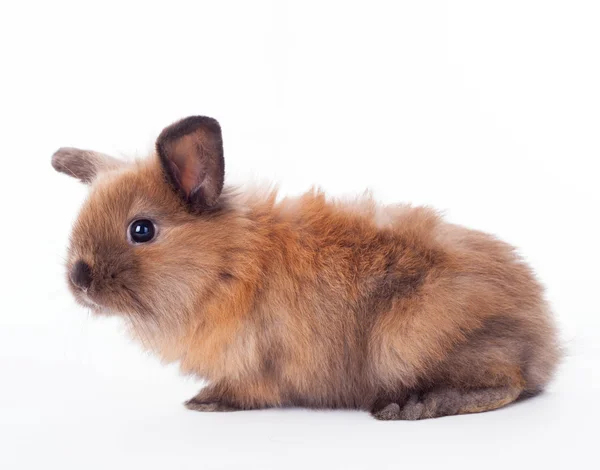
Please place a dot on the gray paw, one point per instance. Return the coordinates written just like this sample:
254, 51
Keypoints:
204, 406
412, 409
390, 412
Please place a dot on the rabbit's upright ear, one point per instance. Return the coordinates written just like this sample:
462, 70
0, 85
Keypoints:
83, 164
191, 155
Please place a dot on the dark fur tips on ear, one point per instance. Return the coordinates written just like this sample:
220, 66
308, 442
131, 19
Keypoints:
191, 155
82, 164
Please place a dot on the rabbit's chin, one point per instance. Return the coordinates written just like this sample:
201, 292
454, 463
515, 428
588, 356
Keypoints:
85, 300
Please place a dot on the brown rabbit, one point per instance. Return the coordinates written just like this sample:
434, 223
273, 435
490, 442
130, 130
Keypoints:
306, 301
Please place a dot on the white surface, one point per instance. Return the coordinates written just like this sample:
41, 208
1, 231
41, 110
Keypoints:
487, 110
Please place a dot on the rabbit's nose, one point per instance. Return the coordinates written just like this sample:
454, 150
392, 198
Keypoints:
81, 275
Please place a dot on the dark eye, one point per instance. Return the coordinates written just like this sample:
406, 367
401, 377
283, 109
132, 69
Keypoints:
141, 231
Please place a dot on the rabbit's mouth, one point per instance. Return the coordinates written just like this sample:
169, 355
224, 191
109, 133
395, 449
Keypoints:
83, 296
84, 299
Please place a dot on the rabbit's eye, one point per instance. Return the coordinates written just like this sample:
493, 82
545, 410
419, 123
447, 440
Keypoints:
141, 231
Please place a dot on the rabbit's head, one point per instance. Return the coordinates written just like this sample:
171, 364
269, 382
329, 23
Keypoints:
151, 239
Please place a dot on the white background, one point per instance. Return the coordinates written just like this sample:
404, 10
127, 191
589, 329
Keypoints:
489, 111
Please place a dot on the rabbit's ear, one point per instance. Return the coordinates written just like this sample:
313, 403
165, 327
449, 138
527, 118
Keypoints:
83, 164
191, 155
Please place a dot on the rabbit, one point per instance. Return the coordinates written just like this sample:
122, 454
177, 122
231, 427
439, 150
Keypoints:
307, 301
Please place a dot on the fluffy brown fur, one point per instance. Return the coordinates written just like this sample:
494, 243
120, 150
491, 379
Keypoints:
306, 301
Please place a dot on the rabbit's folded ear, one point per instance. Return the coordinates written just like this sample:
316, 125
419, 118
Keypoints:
191, 155
83, 164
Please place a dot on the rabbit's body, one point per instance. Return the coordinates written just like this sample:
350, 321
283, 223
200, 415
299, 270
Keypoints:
311, 302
